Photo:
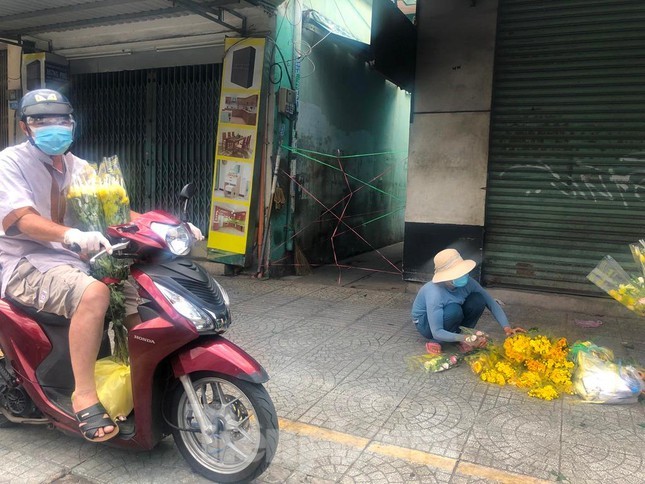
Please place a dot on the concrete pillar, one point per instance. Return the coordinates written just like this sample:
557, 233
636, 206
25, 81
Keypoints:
448, 156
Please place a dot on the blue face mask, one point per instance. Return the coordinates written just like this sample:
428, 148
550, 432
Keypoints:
53, 140
461, 281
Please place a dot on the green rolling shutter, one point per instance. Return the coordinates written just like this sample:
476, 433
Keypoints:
566, 182
161, 123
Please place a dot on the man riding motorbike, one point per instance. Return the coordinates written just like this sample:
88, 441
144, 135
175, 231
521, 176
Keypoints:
38, 269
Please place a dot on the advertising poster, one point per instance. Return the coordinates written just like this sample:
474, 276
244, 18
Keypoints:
237, 139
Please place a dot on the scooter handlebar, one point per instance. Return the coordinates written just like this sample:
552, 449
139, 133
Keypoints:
115, 247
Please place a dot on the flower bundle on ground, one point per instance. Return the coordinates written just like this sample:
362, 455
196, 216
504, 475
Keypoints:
599, 378
529, 361
95, 201
433, 363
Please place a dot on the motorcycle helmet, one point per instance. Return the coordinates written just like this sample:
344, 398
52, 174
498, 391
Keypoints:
44, 102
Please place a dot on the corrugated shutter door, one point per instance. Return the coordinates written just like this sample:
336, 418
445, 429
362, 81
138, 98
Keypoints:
161, 123
186, 111
566, 182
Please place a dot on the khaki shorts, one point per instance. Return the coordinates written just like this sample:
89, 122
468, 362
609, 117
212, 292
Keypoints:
59, 290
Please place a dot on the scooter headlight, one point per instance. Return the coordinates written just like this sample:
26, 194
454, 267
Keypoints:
201, 320
177, 237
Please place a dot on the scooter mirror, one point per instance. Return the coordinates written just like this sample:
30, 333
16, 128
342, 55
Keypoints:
187, 192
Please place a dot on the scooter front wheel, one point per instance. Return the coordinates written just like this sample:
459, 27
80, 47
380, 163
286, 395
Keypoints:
243, 428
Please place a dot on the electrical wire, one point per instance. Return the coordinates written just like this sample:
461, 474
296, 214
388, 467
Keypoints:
279, 79
230, 47
311, 47
286, 13
342, 17
284, 62
307, 55
313, 68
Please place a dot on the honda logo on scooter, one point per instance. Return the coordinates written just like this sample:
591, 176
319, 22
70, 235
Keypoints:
145, 340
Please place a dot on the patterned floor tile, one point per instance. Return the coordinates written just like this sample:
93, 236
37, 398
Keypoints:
315, 458
377, 469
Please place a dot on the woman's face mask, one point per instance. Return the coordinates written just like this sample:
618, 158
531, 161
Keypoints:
460, 281
53, 140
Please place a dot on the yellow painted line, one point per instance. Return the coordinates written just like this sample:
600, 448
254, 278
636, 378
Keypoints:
322, 434
414, 456
409, 455
505, 477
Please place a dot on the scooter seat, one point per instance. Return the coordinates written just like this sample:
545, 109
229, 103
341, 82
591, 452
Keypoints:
41, 317
55, 372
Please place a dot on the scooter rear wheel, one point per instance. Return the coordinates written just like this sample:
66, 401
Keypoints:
245, 426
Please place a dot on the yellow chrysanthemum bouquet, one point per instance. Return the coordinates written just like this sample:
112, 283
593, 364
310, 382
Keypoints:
530, 361
112, 192
96, 200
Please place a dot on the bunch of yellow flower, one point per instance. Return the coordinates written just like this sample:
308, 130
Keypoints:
625, 288
114, 198
94, 202
638, 253
116, 204
631, 295
83, 202
529, 361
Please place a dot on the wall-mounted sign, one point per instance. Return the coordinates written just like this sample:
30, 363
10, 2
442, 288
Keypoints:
237, 139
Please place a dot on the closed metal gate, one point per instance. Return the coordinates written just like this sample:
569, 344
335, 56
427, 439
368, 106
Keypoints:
566, 181
161, 123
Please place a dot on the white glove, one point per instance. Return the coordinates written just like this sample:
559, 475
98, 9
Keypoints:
196, 232
87, 241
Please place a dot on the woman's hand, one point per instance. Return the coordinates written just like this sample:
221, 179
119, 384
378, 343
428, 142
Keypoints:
513, 331
476, 340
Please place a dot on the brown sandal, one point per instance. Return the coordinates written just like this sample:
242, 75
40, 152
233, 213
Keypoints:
94, 418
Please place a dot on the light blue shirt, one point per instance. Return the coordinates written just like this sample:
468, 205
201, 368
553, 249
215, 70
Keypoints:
432, 298
25, 182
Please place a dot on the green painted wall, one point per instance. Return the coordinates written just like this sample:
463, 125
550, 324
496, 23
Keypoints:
346, 106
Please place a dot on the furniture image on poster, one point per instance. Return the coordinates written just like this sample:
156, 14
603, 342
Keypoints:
232, 179
232, 185
243, 66
225, 117
235, 144
223, 218
240, 110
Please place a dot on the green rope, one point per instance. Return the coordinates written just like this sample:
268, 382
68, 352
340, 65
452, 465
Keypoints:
380, 217
375, 219
348, 175
302, 150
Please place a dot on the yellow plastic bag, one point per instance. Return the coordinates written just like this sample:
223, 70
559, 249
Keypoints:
114, 387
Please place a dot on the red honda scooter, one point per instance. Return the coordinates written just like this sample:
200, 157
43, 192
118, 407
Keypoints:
187, 380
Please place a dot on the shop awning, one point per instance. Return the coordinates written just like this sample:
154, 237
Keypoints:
75, 28
392, 47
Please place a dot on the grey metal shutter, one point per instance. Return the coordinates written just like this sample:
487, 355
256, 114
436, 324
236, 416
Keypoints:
566, 182
161, 123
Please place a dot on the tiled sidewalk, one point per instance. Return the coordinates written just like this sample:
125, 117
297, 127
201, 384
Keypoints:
338, 361
353, 411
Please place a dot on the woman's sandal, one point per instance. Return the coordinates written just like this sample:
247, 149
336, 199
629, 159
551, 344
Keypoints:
94, 418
